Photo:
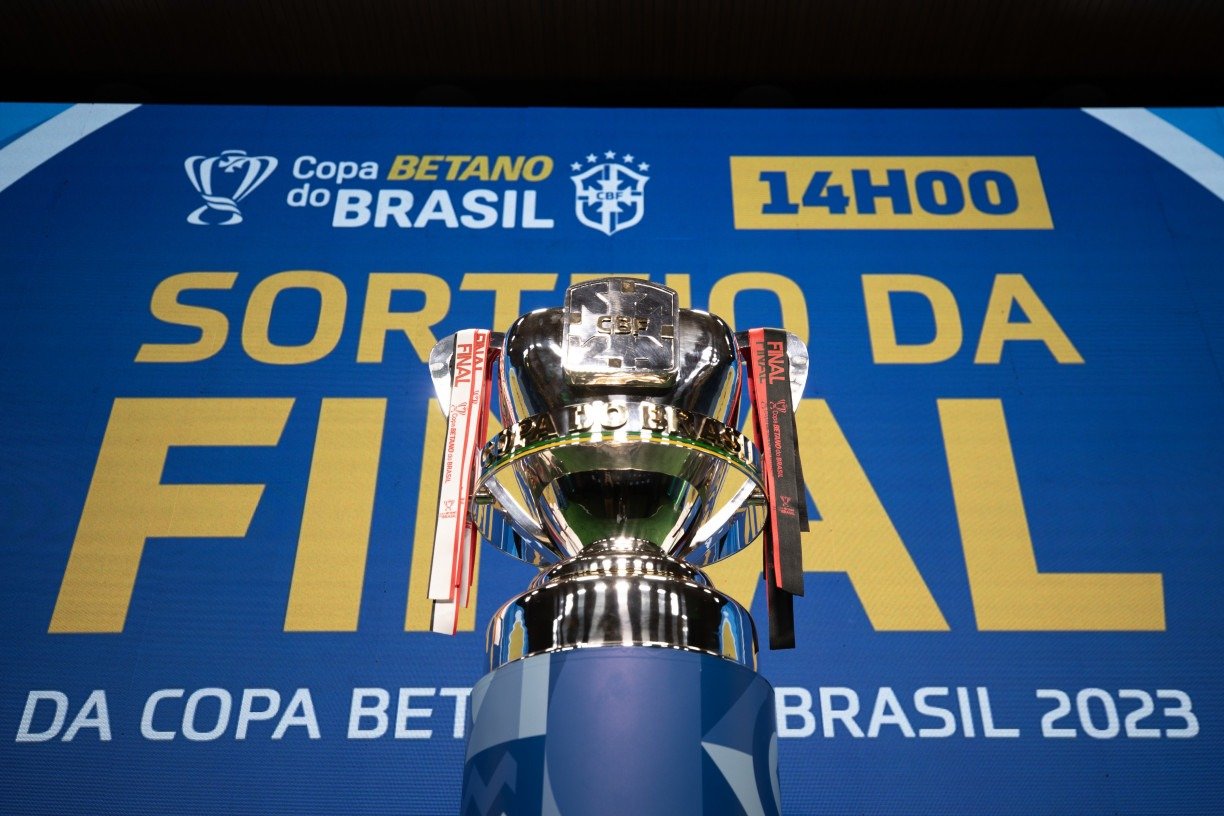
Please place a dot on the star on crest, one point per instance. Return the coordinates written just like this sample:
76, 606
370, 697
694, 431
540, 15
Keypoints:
627, 159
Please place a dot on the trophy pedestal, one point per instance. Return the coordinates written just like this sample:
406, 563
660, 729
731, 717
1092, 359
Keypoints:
620, 730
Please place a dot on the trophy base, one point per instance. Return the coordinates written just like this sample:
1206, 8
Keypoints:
615, 730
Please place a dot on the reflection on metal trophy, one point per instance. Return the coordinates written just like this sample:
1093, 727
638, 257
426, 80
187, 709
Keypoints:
621, 681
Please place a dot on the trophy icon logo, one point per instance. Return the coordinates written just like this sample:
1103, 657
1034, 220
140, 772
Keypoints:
243, 174
610, 195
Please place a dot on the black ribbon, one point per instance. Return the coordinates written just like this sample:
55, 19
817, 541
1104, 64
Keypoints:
774, 416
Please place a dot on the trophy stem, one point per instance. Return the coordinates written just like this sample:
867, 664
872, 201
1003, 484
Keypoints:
622, 592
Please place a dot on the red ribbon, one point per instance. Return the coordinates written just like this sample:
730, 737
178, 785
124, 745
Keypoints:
773, 416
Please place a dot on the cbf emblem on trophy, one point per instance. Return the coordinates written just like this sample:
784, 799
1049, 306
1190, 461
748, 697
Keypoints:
621, 681
611, 195
221, 194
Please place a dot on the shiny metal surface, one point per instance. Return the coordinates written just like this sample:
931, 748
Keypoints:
797, 354
617, 466
619, 331
533, 381
617, 342
441, 364
621, 592
622, 467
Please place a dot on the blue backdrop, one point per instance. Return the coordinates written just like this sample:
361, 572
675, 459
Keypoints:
1012, 434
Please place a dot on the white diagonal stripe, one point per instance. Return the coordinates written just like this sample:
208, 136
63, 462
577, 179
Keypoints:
58, 133
737, 769
533, 702
1174, 146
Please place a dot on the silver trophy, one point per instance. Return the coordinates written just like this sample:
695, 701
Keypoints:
619, 472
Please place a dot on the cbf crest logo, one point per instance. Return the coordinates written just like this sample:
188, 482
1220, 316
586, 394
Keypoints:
222, 181
610, 195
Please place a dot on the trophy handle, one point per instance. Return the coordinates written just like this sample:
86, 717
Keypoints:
797, 351
442, 365
749, 494
522, 521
